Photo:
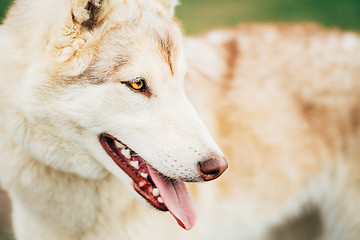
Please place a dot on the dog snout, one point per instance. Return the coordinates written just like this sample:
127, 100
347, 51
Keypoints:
212, 168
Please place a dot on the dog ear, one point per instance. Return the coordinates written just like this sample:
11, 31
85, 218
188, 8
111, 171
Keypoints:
74, 46
87, 13
169, 5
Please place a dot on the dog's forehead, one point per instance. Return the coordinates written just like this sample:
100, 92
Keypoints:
157, 33
147, 44
150, 43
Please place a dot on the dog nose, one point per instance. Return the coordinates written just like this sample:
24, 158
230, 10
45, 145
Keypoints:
212, 168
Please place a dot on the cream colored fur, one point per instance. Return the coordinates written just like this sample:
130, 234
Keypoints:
282, 102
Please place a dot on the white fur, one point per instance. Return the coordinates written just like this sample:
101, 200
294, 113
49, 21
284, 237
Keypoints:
287, 123
53, 128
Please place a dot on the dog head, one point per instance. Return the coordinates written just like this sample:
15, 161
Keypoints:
102, 91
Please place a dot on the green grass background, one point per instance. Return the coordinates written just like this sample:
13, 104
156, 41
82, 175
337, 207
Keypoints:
4, 4
200, 15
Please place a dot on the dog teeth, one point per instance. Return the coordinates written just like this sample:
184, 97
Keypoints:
144, 175
156, 192
143, 183
160, 200
135, 164
119, 145
126, 153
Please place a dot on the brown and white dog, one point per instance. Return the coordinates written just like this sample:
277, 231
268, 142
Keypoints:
94, 118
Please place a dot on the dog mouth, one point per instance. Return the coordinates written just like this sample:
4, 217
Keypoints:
161, 192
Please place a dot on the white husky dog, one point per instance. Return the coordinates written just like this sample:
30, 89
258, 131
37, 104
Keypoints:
94, 118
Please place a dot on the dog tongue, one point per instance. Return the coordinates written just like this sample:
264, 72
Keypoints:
176, 198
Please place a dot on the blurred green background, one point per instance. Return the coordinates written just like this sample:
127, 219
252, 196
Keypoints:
4, 4
200, 15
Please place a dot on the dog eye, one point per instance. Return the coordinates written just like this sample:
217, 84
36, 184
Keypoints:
138, 85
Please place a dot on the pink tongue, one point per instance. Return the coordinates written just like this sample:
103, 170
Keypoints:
176, 198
